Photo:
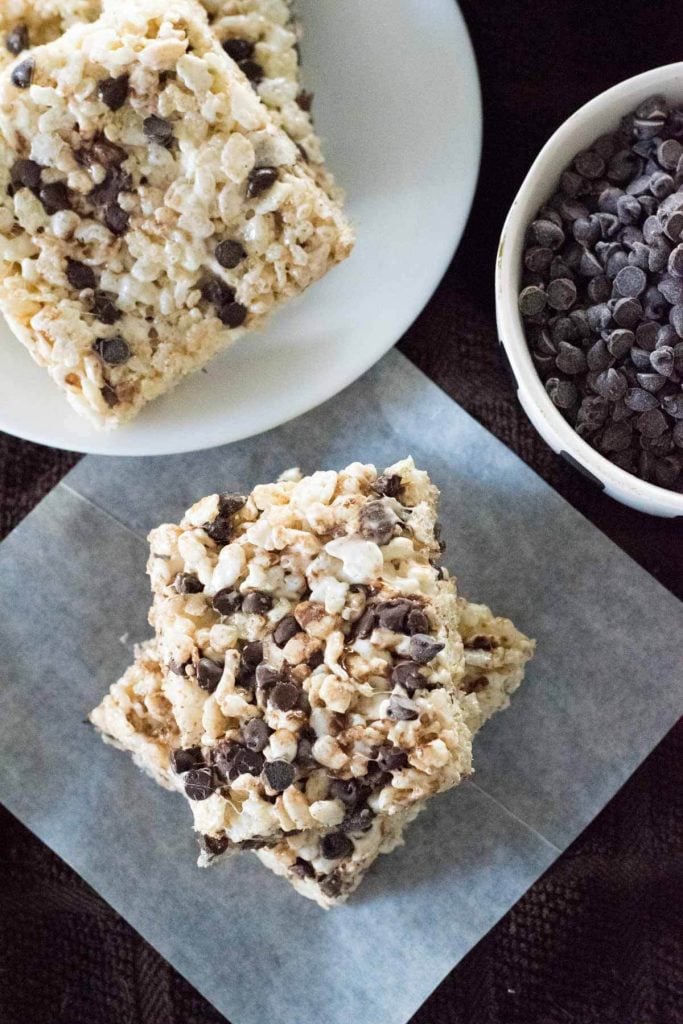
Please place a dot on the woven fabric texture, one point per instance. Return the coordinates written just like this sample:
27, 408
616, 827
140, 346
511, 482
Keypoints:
597, 940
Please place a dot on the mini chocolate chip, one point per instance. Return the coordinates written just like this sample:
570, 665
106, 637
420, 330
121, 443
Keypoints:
79, 275
673, 405
188, 583
26, 173
630, 282
285, 695
267, 677
672, 289
238, 49
480, 643
222, 757
113, 351
639, 400
393, 614
302, 868
22, 74
416, 622
570, 359
611, 384
407, 675
332, 885
424, 649
304, 753
561, 293
589, 164
105, 309
651, 423
252, 654
532, 301
106, 194
357, 820
209, 674
199, 784
55, 197
113, 91
546, 233
220, 530
376, 522
229, 253
116, 219
346, 790
260, 180
285, 630
17, 39
616, 437
651, 381
335, 845
227, 601
304, 100
279, 775
109, 395
627, 312
252, 69
246, 762
366, 624
178, 670
401, 709
257, 603
316, 659
109, 155
389, 485
475, 685
233, 314
229, 503
255, 735
216, 291
392, 759
158, 129
215, 845
619, 342
185, 759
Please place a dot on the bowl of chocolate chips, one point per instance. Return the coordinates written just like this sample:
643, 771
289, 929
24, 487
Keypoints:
589, 291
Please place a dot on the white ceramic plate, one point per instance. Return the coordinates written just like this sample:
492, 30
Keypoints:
397, 101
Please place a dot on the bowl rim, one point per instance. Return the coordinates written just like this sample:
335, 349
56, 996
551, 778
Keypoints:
617, 100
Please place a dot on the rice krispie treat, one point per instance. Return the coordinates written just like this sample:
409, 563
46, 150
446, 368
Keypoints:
151, 208
136, 716
260, 35
312, 648
308, 688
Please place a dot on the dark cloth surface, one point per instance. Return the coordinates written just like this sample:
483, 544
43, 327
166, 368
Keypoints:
598, 939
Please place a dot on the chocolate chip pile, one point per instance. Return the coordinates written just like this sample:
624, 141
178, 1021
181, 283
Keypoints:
602, 295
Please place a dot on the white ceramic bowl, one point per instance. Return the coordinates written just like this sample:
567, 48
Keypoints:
600, 115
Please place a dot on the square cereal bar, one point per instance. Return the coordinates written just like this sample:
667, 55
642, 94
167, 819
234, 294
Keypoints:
261, 36
308, 687
151, 208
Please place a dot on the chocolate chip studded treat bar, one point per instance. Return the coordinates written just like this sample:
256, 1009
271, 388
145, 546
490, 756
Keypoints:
260, 35
304, 628
151, 208
308, 689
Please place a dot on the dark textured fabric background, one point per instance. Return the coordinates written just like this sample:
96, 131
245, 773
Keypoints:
598, 939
